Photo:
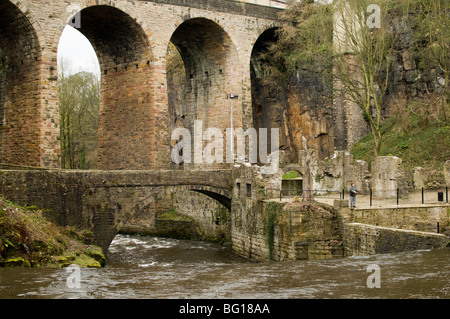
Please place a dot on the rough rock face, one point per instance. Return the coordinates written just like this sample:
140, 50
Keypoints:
301, 109
305, 106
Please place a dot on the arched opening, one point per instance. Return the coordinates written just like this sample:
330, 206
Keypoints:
20, 113
126, 120
268, 98
203, 66
79, 99
292, 183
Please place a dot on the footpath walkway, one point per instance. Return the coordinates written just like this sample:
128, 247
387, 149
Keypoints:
363, 201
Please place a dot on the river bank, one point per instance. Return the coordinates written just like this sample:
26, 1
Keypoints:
28, 239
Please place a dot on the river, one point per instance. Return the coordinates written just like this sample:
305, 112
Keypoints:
159, 268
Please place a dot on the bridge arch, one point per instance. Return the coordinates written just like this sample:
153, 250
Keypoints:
210, 68
127, 123
109, 221
20, 87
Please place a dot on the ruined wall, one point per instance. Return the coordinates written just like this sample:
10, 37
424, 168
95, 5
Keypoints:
386, 173
430, 178
265, 230
383, 176
275, 231
336, 172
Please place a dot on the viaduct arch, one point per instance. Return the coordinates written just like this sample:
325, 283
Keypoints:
214, 38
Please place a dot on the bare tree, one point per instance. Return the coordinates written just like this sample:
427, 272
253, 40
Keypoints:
363, 49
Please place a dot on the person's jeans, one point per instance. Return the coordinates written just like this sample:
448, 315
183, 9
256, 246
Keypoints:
352, 201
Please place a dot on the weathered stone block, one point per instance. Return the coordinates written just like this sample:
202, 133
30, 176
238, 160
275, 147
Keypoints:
385, 175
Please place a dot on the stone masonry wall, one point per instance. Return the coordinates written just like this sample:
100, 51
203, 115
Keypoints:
274, 231
213, 219
265, 230
421, 218
363, 240
20, 89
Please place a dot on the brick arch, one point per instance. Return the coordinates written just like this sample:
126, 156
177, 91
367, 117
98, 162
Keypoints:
76, 6
127, 123
20, 86
212, 69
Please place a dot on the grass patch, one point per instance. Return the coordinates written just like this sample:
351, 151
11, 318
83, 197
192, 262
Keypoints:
416, 143
291, 175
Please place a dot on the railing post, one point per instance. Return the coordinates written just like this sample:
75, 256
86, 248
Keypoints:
343, 193
438, 227
423, 200
397, 195
371, 197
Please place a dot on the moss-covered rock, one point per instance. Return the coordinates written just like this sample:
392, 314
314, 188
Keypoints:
28, 239
16, 262
97, 255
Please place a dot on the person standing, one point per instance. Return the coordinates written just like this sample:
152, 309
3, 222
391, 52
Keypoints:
353, 192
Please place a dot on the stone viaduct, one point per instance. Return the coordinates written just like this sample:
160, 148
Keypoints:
215, 38
217, 41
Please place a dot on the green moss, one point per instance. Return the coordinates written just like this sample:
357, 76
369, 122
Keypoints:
16, 262
174, 216
96, 254
272, 211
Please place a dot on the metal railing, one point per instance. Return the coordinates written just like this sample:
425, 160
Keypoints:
398, 196
342, 194
310, 191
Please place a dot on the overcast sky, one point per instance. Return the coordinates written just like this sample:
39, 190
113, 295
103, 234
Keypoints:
74, 47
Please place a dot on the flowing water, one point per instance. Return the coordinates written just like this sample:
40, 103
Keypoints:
147, 267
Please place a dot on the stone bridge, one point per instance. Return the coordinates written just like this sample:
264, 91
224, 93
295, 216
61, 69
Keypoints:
218, 41
102, 201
